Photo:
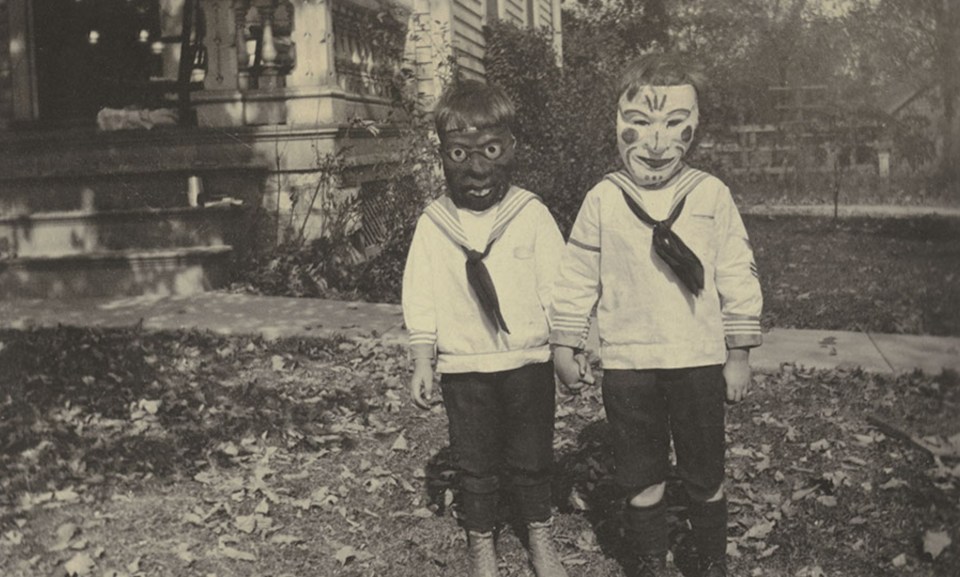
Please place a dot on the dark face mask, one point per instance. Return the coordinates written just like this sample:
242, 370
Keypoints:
478, 165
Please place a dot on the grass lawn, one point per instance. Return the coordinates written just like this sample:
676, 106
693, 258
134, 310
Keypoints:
880, 275
128, 453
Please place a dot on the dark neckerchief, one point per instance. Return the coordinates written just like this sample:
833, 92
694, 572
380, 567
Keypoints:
444, 214
668, 246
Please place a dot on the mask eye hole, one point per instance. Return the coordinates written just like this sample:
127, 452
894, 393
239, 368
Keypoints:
493, 150
457, 154
674, 123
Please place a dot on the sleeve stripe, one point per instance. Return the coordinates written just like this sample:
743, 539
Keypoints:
422, 338
568, 318
579, 244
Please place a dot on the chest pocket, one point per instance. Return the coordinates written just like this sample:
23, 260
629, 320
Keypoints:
698, 230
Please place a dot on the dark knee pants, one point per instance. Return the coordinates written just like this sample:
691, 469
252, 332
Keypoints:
646, 408
501, 424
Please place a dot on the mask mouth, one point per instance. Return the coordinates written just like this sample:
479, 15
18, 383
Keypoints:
656, 163
479, 192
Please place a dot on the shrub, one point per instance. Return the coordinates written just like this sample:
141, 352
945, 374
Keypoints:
565, 117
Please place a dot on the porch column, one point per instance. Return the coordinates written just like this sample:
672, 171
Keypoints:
313, 35
313, 74
220, 39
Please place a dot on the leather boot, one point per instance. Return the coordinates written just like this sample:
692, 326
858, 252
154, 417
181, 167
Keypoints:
482, 554
543, 555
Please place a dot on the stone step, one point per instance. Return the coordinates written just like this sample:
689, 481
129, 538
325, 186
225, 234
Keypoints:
119, 192
81, 232
158, 272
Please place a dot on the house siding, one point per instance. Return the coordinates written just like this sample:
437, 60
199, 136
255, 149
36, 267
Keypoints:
468, 21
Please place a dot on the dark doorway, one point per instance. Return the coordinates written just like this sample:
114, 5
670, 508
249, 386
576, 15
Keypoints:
93, 54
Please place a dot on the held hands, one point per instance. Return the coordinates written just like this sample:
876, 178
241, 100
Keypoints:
573, 369
421, 384
736, 372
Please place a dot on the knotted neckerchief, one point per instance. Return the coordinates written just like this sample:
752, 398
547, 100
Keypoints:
444, 214
668, 246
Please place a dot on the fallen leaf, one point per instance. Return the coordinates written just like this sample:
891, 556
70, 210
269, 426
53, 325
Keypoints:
827, 500
65, 533
801, 493
587, 541
182, 550
246, 523
67, 496
13, 537
811, 571
193, 519
347, 553
759, 531
79, 565
400, 444
934, 542
232, 553
149, 406
263, 507
894, 483
280, 539
205, 477
423, 513
821, 445
577, 501
900, 560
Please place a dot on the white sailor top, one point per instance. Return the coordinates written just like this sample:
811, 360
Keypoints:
440, 307
646, 318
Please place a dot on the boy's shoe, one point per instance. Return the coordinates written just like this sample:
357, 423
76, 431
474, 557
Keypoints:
651, 565
482, 554
543, 555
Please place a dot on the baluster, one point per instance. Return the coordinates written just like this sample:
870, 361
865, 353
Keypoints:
268, 54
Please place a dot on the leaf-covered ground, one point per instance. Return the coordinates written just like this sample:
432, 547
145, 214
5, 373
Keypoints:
886, 275
129, 453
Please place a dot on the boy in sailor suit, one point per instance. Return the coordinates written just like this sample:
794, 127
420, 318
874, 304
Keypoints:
476, 291
677, 315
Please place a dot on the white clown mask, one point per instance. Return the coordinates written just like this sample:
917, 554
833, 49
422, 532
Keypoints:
655, 128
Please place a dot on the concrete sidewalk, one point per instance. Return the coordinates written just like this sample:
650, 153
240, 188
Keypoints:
278, 317
853, 210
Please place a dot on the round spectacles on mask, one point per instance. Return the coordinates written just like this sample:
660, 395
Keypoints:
490, 151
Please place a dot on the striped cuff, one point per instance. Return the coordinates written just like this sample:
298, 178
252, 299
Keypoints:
423, 338
573, 339
742, 331
569, 330
422, 344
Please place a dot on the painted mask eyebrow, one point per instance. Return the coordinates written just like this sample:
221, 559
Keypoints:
633, 115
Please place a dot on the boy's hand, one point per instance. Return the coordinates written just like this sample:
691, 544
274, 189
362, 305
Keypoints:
573, 369
736, 372
421, 384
